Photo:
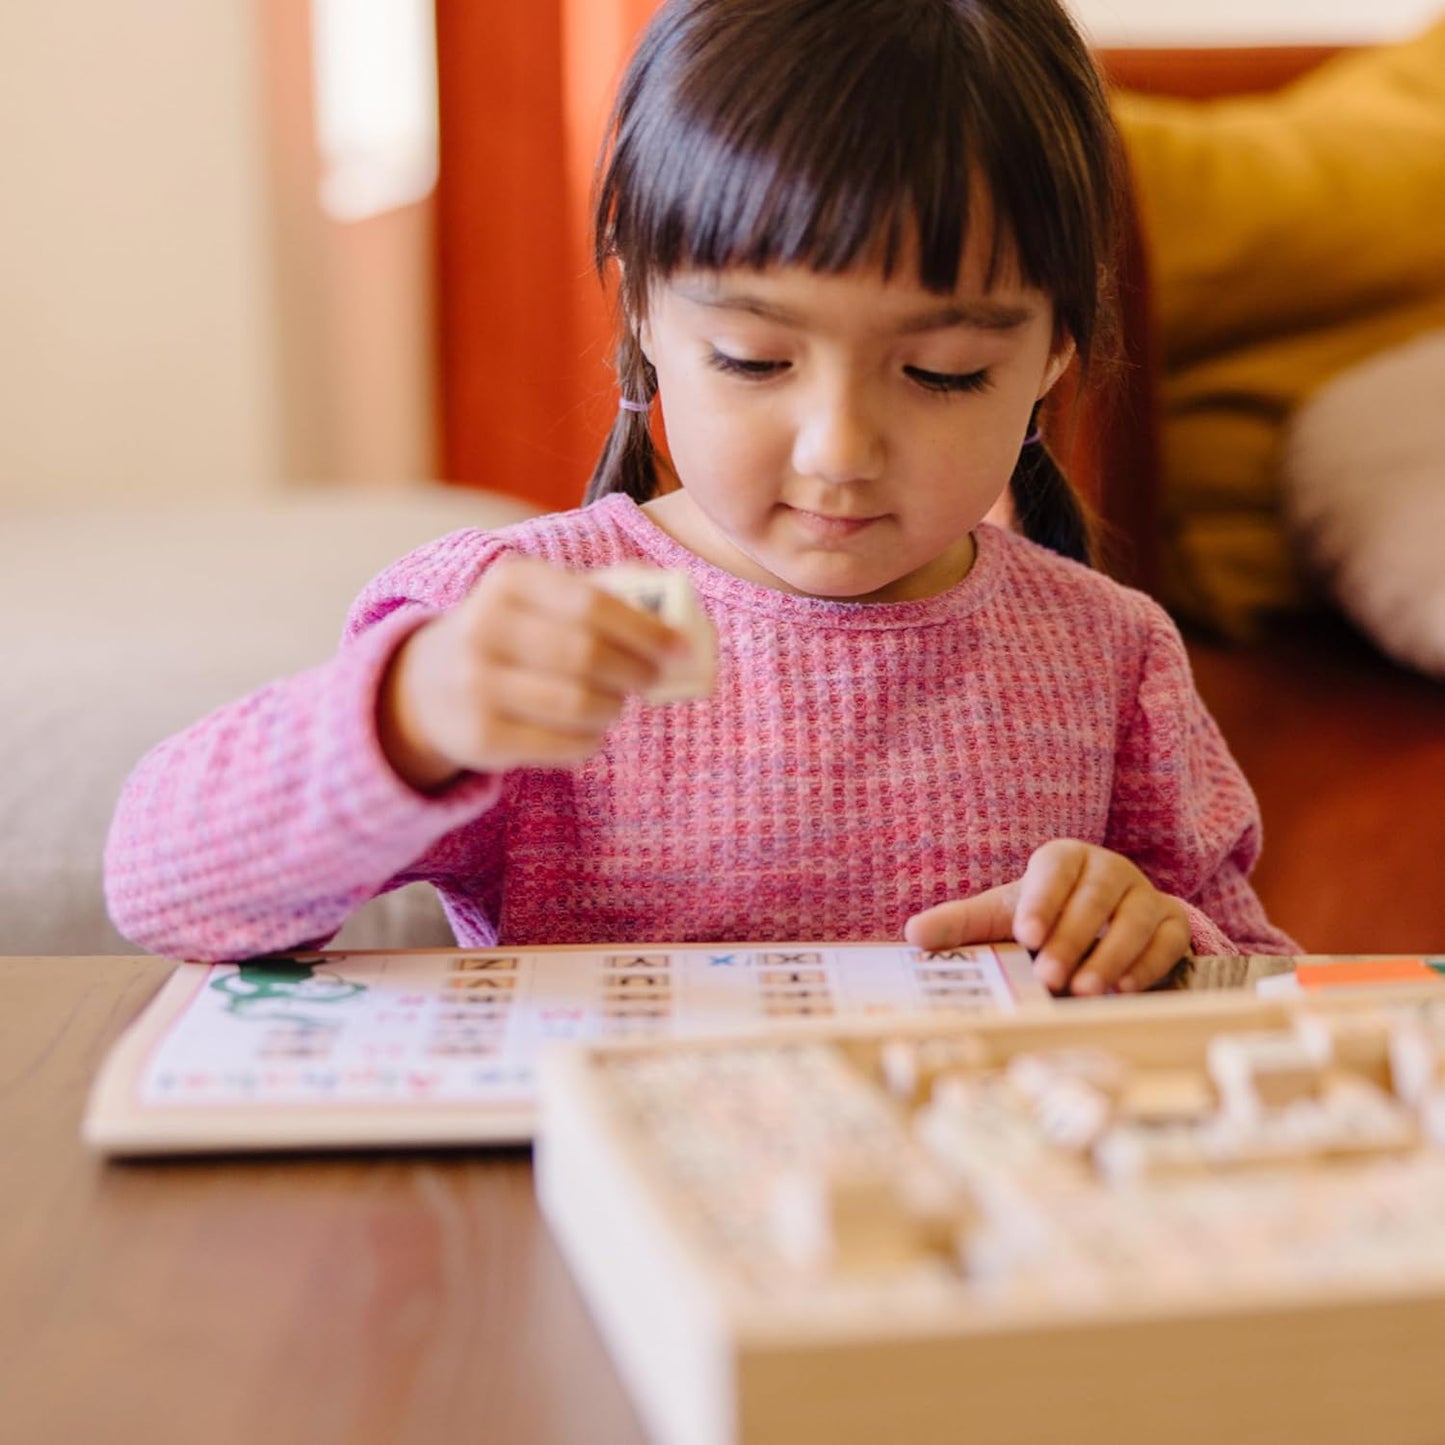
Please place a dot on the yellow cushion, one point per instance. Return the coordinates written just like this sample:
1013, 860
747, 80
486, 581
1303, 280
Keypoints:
1227, 559
1290, 237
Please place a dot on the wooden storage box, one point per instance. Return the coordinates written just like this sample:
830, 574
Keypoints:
1243, 1302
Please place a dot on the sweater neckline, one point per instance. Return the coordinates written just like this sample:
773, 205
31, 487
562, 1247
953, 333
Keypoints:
722, 586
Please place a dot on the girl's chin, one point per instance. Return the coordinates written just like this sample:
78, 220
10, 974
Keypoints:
844, 576
830, 577
778, 557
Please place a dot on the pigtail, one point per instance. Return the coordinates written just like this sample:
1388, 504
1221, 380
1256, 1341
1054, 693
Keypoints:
1046, 509
629, 459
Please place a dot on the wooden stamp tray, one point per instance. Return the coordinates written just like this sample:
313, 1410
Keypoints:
898, 1233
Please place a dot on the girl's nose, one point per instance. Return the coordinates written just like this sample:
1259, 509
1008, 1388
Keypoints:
838, 440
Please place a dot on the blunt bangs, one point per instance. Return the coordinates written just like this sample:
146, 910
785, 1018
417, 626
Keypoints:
725, 151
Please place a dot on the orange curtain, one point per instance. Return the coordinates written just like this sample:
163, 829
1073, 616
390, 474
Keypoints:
524, 328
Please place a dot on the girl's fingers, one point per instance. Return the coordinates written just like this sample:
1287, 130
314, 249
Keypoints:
570, 599
552, 702
538, 642
1089, 914
1127, 934
629, 628
1052, 874
985, 918
505, 743
1169, 944
505, 717
530, 669
524, 747
1097, 887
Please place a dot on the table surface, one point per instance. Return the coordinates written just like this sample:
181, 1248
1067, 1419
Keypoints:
410, 1297
356, 1298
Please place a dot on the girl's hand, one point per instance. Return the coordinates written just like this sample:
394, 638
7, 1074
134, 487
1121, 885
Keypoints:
1093, 920
529, 671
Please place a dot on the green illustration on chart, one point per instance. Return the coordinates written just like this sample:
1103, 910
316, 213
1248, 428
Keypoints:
271, 989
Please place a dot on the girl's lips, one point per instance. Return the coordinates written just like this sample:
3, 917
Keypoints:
831, 527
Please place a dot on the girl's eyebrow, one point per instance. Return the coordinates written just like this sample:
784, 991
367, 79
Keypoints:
980, 314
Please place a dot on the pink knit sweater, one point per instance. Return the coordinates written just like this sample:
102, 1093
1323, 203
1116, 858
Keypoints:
855, 764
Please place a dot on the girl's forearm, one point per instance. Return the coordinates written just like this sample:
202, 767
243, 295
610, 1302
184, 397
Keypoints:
266, 824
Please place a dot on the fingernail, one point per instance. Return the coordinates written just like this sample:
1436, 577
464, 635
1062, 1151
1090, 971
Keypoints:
1088, 983
1049, 973
1129, 985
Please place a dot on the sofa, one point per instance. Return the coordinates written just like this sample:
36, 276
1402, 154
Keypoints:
120, 625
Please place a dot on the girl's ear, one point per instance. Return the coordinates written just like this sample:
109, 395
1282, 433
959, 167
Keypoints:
1059, 361
635, 321
643, 331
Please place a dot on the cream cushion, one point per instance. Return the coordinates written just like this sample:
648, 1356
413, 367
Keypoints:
1364, 483
118, 627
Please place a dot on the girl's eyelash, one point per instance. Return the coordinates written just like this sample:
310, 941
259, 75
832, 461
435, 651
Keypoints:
936, 381
736, 366
942, 381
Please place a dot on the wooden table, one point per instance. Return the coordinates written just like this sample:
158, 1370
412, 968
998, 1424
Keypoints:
396, 1298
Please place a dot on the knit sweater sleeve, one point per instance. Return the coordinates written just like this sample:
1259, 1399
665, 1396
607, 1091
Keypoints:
263, 826
1182, 810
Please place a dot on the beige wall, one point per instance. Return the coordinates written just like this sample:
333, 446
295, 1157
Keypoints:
136, 327
177, 318
1251, 22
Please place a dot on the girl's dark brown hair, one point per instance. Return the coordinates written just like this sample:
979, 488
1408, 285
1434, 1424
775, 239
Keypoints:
824, 133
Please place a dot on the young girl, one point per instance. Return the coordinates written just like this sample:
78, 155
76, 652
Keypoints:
858, 242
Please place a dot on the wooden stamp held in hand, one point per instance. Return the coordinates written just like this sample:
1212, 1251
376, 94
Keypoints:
668, 594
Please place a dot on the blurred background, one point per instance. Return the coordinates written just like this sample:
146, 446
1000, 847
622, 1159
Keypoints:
219, 265
288, 287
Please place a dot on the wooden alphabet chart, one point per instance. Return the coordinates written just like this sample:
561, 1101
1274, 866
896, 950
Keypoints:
439, 1046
